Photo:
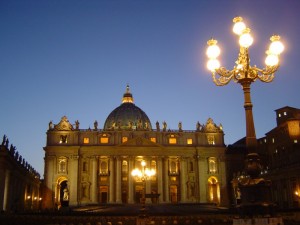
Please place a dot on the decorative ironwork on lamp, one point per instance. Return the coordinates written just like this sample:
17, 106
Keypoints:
254, 190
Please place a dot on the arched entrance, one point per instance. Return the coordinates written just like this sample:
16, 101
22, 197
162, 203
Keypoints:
62, 192
213, 190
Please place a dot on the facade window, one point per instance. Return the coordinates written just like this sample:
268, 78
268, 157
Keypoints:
124, 166
279, 115
63, 139
173, 167
284, 113
153, 139
172, 140
124, 139
273, 140
104, 140
62, 165
103, 167
295, 141
211, 139
189, 141
212, 165
86, 140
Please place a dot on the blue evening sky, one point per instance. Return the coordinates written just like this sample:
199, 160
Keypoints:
75, 58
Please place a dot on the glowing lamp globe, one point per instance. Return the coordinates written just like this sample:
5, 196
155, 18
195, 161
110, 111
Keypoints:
276, 47
238, 26
272, 60
213, 64
245, 39
213, 50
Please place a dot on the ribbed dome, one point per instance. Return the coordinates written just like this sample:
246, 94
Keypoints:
127, 116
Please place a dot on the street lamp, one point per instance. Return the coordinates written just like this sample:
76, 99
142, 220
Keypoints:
254, 190
143, 175
243, 73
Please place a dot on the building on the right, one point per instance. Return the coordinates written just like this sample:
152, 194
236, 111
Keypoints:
280, 154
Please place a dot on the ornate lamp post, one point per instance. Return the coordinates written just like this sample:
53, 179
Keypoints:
245, 74
143, 175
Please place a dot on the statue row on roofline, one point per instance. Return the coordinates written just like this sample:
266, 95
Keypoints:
65, 125
17, 157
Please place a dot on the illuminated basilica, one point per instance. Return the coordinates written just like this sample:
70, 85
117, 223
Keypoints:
95, 165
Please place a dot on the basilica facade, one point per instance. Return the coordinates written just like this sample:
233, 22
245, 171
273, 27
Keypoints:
95, 165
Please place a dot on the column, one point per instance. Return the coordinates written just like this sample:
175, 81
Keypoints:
73, 182
183, 174
166, 180
222, 183
111, 194
160, 179
130, 181
118, 181
202, 168
6, 190
94, 187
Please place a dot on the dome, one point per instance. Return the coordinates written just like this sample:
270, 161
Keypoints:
127, 116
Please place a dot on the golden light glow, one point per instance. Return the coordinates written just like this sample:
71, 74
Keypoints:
86, 140
104, 140
189, 141
172, 140
143, 163
272, 60
276, 47
213, 64
238, 26
124, 139
246, 39
153, 139
213, 50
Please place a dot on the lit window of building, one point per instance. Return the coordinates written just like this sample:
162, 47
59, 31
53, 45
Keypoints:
153, 139
104, 140
212, 165
124, 139
62, 165
295, 141
279, 115
173, 167
86, 140
284, 113
172, 141
103, 167
273, 140
189, 141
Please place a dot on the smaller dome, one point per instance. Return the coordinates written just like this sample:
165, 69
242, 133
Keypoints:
127, 116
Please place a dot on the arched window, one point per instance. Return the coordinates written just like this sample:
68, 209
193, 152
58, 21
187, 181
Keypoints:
103, 167
124, 166
173, 167
62, 165
212, 165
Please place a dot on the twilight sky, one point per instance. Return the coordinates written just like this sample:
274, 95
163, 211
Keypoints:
75, 58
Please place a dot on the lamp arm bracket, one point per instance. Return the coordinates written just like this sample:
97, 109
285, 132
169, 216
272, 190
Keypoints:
265, 74
222, 76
